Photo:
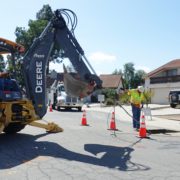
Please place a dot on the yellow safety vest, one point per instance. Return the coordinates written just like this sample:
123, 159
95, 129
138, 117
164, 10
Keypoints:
136, 97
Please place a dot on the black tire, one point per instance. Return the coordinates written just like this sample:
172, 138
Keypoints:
53, 107
13, 128
58, 108
173, 105
68, 109
79, 109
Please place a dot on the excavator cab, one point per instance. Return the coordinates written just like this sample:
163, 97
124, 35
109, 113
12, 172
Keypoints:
9, 89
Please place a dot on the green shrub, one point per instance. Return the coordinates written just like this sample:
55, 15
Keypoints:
109, 101
147, 95
124, 98
109, 96
109, 93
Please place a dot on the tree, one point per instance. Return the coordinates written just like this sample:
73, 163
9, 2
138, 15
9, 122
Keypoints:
45, 13
131, 77
117, 72
2, 63
148, 94
128, 74
139, 78
26, 36
109, 96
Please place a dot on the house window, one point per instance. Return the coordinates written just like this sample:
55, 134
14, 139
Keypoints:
171, 72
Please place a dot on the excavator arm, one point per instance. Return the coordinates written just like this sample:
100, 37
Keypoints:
36, 60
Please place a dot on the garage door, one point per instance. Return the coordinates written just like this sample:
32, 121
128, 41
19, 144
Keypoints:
160, 95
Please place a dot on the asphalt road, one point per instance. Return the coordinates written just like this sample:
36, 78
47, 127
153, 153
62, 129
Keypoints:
88, 152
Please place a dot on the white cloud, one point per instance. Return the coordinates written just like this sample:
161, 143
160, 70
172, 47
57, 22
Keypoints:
100, 57
146, 69
55, 66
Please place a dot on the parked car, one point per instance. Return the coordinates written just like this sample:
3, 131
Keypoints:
174, 98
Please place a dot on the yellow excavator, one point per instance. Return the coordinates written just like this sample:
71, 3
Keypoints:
20, 107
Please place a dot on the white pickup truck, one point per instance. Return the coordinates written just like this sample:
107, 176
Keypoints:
59, 99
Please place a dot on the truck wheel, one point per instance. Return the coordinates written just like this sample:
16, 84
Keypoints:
53, 106
58, 108
79, 109
13, 128
173, 105
68, 109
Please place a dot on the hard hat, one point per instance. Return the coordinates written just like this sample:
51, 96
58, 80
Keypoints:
140, 89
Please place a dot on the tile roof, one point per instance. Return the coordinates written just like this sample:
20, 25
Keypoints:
172, 64
110, 81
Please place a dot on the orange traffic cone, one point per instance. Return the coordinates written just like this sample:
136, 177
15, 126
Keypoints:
84, 120
142, 130
50, 108
113, 123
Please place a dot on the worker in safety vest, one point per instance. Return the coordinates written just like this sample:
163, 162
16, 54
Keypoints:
136, 100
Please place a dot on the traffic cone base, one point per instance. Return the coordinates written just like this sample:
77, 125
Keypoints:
84, 122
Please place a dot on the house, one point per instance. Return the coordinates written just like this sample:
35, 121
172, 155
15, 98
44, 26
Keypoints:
163, 79
109, 81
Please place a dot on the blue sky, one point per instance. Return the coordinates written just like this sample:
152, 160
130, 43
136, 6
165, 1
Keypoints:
112, 33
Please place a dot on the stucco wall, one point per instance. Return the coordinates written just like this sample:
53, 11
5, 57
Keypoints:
160, 91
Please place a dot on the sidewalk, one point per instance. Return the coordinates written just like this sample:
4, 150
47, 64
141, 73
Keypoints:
155, 123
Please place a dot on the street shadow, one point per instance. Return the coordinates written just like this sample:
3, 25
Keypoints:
161, 131
114, 157
21, 148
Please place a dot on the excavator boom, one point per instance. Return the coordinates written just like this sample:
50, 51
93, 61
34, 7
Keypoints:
36, 59
16, 111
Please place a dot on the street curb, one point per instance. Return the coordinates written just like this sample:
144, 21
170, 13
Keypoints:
157, 108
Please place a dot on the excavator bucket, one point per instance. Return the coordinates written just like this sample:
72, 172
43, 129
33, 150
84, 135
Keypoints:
75, 86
